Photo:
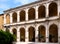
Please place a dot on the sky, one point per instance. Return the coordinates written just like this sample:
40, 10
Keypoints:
7, 4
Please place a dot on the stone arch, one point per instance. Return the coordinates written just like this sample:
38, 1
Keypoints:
53, 33
22, 15
15, 33
41, 11
31, 14
41, 33
22, 34
53, 10
14, 16
31, 31
7, 18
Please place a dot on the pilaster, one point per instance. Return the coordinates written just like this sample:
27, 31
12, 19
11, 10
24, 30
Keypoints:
47, 33
4, 18
11, 19
59, 32
11, 30
26, 34
18, 35
36, 13
26, 16
36, 34
47, 10
18, 16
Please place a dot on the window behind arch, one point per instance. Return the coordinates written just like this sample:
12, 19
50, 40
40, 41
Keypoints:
53, 10
22, 34
14, 15
53, 33
31, 14
41, 12
15, 33
41, 34
31, 34
22, 15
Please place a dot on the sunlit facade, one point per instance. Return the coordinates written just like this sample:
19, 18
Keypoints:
34, 23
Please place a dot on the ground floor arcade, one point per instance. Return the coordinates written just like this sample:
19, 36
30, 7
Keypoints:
46, 32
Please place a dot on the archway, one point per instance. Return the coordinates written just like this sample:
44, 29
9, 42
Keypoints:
53, 9
31, 14
53, 33
22, 34
31, 34
22, 15
15, 33
42, 34
41, 12
14, 15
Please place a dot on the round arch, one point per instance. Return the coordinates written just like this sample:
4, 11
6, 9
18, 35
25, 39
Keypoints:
15, 33
22, 15
41, 11
41, 33
7, 18
14, 15
53, 10
22, 34
53, 33
31, 31
31, 14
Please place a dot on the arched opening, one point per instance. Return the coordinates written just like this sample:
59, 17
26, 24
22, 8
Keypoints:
14, 17
22, 34
15, 33
53, 9
22, 15
7, 18
31, 34
53, 33
41, 12
7, 30
31, 14
42, 34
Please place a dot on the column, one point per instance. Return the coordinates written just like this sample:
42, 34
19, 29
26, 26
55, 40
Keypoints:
11, 20
36, 13
47, 10
36, 34
47, 33
18, 35
26, 34
4, 18
18, 16
26, 16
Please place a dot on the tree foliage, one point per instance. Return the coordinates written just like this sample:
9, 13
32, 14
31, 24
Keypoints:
6, 37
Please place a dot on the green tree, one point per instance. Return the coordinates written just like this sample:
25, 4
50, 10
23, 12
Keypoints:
6, 37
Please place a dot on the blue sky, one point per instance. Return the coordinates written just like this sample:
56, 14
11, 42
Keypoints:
7, 4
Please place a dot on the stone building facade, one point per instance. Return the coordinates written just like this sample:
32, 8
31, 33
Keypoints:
1, 21
34, 23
